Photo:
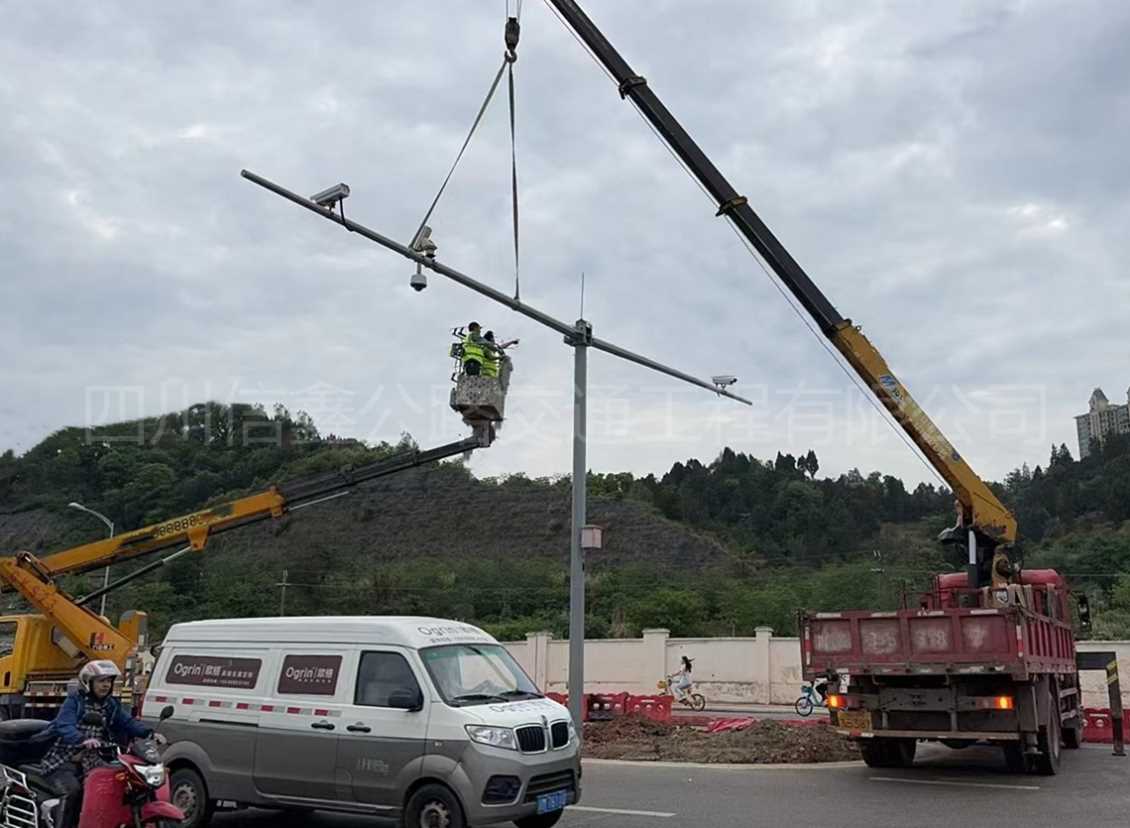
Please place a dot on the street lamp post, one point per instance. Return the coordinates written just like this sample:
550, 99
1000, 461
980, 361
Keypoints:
109, 525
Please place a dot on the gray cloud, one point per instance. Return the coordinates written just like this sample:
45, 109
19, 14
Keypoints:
952, 175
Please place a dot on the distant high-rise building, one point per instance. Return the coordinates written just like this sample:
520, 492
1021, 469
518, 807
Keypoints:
1102, 419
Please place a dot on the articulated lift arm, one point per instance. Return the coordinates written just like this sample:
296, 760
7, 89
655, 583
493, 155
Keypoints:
987, 519
34, 578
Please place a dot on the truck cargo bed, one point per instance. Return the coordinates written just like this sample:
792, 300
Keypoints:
1010, 641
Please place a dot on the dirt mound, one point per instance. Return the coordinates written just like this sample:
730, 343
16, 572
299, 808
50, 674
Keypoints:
766, 742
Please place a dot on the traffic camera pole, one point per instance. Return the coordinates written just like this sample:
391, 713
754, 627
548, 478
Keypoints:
579, 337
580, 341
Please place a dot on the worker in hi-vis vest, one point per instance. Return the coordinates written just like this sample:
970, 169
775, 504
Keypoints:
475, 350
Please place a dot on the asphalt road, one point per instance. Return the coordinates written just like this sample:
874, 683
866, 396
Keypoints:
945, 788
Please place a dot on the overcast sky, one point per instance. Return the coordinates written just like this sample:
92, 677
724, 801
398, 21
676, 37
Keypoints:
953, 176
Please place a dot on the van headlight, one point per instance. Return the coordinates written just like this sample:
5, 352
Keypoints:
572, 732
499, 737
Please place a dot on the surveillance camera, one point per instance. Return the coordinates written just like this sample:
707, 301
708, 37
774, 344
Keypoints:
423, 243
723, 380
329, 198
419, 280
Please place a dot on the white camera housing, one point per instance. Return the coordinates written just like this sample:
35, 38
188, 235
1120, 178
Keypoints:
723, 380
330, 197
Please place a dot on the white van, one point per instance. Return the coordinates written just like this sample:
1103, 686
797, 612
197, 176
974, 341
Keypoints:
427, 721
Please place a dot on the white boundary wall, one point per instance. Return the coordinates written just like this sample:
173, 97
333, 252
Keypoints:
764, 669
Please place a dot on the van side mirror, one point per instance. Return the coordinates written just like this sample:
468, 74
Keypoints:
167, 712
411, 700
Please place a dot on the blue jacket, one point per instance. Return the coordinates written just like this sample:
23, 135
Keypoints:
121, 725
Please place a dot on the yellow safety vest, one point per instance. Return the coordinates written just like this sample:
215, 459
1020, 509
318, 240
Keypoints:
491, 364
472, 351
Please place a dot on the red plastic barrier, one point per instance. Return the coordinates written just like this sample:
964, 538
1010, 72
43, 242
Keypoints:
603, 706
560, 698
650, 707
1097, 725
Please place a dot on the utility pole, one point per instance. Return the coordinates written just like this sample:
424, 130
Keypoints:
878, 570
580, 342
282, 599
109, 525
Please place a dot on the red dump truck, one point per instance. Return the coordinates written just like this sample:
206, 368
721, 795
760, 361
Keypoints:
965, 665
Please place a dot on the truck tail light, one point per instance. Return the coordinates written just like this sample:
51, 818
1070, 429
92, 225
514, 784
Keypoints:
836, 701
1003, 703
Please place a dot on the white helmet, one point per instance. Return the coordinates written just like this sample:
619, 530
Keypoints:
97, 669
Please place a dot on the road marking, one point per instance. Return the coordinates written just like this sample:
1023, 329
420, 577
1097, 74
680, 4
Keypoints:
952, 784
621, 812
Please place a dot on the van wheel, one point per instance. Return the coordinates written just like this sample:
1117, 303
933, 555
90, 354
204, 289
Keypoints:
188, 792
433, 806
539, 821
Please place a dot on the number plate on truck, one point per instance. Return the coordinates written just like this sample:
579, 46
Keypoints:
854, 719
550, 802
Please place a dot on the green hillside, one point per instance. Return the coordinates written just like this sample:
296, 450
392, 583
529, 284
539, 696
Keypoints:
707, 548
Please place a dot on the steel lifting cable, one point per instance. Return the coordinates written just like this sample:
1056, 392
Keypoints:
513, 31
509, 58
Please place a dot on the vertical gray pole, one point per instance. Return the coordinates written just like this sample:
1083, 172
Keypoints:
282, 598
576, 553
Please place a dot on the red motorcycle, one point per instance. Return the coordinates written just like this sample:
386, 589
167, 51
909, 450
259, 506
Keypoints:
130, 791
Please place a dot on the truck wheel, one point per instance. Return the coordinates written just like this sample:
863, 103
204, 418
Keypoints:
1073, 735
1014, 758
901, 752
873, 752
888, 753
434, 806
188, 792
1047, 764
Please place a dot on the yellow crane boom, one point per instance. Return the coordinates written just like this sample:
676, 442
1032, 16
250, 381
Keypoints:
94, 637
991, 526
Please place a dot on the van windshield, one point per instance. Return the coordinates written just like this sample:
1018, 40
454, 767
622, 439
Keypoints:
467, 674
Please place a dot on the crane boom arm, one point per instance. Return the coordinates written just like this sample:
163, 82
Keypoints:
982, 510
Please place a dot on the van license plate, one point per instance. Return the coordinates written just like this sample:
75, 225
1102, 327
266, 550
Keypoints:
550, 802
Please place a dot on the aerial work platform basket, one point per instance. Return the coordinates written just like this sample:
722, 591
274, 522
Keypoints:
482, 399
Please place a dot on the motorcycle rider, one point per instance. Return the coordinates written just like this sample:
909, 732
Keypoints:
73, 753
